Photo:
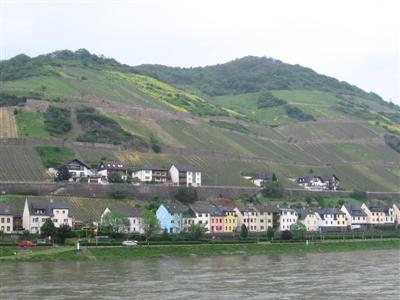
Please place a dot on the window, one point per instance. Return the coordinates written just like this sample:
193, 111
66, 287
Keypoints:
8, 220
35, 220
8, 228
65, 221
55, 220
2, 220
172, 221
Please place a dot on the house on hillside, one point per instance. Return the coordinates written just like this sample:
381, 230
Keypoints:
268, 217
261, 179
378, 214
288, 217
133, 214
6, 218
332, 219
77, 168
396, 212
170, 218
315, 182
37, 211
106, 168
311, 219
355, 216
185, 176
151, 174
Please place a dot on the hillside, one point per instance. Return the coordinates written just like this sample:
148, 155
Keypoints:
252, 114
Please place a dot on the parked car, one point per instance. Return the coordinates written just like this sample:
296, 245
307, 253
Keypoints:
129, 243
27, 244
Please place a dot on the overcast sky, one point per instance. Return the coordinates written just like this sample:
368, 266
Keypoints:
355, 41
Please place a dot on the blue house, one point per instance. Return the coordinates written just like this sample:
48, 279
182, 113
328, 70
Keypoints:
170, 218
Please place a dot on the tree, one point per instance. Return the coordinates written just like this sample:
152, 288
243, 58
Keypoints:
359, 195
119, 193
186, 195
114, 222
155, 144
299, 230
63, 173
270, 233
150, 224
1, 234
274, 178
165, 235
114, 177
48, 229
25, 234
63, 232
341, 202
196, 231
243, 231
273, 189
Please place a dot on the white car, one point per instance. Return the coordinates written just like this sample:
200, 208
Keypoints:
129, 243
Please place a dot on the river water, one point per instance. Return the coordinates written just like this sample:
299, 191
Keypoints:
350, 275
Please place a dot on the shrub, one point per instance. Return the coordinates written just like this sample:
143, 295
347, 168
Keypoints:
155, 143
119, 193
296, 113
186, 195
273, 189
266, 99
57, 120
359, 195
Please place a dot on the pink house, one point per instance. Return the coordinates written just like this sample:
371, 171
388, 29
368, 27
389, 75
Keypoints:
216, 220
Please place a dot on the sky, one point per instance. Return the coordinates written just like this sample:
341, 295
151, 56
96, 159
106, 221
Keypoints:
357, 41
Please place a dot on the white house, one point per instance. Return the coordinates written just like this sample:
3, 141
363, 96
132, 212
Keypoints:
332, 219
105, 168
310, 219
153, 174
76, 168
133, 214
6, 218
396, 212
261, 179
356, 217
379, 215
288, 217
315, 182
37, 211
185, 176
201, 214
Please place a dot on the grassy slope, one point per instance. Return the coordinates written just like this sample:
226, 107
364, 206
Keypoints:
136, 90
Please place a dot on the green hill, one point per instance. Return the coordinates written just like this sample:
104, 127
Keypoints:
248, 115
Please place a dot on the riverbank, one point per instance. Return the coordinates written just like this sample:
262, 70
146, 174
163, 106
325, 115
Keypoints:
107, 253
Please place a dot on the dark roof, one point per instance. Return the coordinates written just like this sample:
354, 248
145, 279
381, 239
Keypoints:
266, 208
201, 209
6, 210
216, 211
112, 165
47, 206
186, 168
173, 209
329, 211
262, 175
74, 160
355, 210
309, 177
153, 168
378, 208
302, 213
131, 212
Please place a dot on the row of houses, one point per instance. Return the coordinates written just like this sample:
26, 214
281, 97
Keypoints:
176, 175
215, 219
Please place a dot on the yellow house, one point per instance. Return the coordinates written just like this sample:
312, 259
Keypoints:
230, 220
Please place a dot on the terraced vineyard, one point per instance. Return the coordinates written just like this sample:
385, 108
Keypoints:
20, 163
8, 125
